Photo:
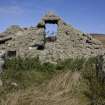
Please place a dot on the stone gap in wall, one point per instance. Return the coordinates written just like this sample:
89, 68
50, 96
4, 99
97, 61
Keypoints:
68, 43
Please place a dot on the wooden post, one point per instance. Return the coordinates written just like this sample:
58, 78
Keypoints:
100, 68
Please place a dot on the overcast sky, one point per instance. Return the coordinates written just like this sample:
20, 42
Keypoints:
86, 15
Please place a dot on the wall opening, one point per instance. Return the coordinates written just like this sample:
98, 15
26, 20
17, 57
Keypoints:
38, 46
11, 54
51, 32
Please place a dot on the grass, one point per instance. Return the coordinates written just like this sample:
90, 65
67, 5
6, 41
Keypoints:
96, 92
25, 72
30, 72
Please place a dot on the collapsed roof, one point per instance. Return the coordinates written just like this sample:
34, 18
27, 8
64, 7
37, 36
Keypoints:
69, 42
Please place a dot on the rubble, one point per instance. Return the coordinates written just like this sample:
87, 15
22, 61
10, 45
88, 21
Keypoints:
69, 41
2, 61
13, 29
1, 83
4, 39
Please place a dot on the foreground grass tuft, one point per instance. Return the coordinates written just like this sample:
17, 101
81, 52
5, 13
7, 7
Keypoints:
23, 73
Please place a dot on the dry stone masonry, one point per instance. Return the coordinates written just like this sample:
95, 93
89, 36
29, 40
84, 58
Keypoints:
2, 60
32, 41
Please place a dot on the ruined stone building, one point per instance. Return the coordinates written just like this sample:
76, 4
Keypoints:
69, 42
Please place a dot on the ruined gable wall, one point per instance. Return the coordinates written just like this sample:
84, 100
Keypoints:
70, 42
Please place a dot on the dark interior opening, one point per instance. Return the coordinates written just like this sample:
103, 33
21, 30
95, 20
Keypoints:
3, 40
51, 21
39, 46
51, 39
11, 54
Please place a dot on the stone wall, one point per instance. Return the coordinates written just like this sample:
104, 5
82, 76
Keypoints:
70, 42
2, 60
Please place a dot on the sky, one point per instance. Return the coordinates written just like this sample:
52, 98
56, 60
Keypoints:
86, 15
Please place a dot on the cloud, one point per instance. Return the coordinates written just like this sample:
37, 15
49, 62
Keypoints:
11, 10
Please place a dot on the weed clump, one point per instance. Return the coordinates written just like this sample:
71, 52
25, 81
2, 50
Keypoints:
27, 72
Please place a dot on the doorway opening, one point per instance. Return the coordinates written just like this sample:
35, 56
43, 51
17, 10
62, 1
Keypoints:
51, 32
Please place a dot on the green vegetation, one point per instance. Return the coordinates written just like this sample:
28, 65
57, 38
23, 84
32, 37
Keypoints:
28, 72
25, 72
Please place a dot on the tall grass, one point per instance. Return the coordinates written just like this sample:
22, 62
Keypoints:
26, 72
71, 64
96, 92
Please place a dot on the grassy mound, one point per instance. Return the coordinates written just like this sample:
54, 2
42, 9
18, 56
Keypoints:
69, 82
